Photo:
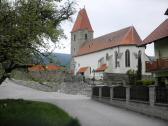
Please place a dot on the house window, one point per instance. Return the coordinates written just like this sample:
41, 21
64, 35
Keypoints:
127, 58
85, 36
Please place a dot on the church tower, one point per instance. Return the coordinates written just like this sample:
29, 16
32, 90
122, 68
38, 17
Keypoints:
81, 32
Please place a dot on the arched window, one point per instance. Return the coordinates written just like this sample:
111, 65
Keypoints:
85, 36
116, 62
127, 58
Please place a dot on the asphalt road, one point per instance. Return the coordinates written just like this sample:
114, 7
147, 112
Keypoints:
89, 112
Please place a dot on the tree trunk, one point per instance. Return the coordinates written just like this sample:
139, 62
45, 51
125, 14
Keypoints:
9, 68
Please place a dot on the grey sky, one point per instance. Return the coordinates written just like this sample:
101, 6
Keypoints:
111, 15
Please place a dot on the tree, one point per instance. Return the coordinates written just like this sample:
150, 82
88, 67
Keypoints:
25, 25
139, 71
131, 76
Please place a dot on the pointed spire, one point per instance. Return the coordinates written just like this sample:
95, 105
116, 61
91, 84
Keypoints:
82, 22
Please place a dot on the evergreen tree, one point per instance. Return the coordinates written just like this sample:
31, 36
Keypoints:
139, 71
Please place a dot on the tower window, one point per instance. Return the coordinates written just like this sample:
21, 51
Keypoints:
74, 49
85, 36
74, 37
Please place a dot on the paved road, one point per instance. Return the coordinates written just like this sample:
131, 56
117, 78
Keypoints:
89, 112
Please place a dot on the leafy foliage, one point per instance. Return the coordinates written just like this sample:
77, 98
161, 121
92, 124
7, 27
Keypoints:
131, 76
145, 82
25, 25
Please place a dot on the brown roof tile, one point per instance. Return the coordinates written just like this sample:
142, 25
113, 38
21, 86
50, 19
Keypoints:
82, 69
103, 67
126, 36
82, 22
160, 32
43, 67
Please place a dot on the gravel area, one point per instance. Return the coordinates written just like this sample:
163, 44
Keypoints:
74, 88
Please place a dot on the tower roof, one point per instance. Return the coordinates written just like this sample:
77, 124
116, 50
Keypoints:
82, 22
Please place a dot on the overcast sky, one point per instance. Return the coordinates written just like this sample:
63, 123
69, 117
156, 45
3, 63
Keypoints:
110, 15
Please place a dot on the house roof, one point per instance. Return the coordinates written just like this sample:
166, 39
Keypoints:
43, 67
82, 69
160, 32
82, 22
103, 67
126, 36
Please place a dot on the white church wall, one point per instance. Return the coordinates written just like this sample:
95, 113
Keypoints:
87, 73
91, 60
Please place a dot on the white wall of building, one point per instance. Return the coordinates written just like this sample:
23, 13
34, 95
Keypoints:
161, 48
91, 60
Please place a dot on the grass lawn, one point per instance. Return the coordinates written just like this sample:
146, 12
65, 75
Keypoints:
29, 113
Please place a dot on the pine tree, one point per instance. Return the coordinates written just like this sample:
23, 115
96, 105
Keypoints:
139, 71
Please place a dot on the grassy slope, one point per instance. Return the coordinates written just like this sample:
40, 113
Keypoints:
28, 113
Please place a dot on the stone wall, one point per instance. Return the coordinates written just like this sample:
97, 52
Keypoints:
48, 75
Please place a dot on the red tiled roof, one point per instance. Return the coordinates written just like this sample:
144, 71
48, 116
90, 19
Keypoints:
83, 69
43, 67
103, 67
126, 36
160, 32
82, 22
54, 67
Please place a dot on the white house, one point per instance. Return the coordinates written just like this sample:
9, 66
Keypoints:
116, 52
159, 66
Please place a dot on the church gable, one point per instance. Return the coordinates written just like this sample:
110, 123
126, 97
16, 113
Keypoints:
126, 36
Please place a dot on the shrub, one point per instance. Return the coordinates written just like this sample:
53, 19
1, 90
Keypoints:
131, 76
148, 82
145, 82
139, 82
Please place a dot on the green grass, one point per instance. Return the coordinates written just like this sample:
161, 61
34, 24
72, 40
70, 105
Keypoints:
29, 113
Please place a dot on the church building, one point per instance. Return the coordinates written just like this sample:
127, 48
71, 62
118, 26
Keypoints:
113, 53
